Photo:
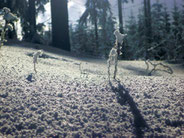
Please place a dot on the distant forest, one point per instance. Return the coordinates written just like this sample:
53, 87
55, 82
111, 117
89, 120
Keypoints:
155, 33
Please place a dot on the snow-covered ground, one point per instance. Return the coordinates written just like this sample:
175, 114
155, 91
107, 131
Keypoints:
70, 96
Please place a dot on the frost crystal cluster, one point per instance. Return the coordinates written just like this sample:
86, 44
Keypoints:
114, 53
6, 20
119, 36
35, 58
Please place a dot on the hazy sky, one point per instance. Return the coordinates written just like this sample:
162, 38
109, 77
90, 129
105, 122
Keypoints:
77, 7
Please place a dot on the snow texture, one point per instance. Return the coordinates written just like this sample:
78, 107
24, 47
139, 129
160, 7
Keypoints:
59, 102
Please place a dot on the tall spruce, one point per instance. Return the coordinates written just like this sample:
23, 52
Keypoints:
167, 33
132, 41
106, 23
158, 25
120, 16
141, 34
32, 18
60, 26
120, 13
80, 40
97, 13
91, 12
182, 26
176, 32
148, 27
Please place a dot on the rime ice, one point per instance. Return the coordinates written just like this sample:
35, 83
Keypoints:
113, 55
119, 36
35, 58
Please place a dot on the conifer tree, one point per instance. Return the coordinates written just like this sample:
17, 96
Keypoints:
132, 48
176, 32
141, 35
98, 12
60, 26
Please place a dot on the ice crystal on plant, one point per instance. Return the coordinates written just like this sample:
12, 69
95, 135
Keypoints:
10, 27
35, 58
6, 18
114, 53
119, 36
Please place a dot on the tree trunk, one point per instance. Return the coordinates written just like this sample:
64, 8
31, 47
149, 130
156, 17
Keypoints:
145, 17
32, 18
104, 32
149, 21
146, 22
120, 16
95, 25
60, 27
96, 33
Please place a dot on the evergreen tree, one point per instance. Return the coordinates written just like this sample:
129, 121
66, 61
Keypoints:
148, 27
107, 36
60, 27
176, 29
91, 12
106, 23
141, 35
79, 38
182, 34
132, 41
120, 14
159, 25
98, 12
32, 18
157, 21
167, 33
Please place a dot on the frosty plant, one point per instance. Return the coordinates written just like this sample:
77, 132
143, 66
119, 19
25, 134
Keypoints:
6, 18
35, 58
115, 52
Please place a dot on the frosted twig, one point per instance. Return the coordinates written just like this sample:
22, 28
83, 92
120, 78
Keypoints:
119, 36
166, 69
114, 53
35, 58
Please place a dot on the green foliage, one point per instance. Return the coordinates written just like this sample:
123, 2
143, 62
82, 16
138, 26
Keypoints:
132, 38
167, 35
83, 38
98, 13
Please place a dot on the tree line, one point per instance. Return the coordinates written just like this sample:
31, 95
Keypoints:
155, 33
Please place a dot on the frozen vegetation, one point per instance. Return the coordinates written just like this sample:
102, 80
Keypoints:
70, 96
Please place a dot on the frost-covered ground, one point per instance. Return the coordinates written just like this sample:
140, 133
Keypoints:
70, 96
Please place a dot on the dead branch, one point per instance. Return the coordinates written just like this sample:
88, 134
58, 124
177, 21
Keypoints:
166, 69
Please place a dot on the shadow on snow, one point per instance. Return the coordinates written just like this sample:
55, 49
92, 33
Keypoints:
123, 98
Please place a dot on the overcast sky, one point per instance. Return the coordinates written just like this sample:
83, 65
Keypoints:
77, 7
